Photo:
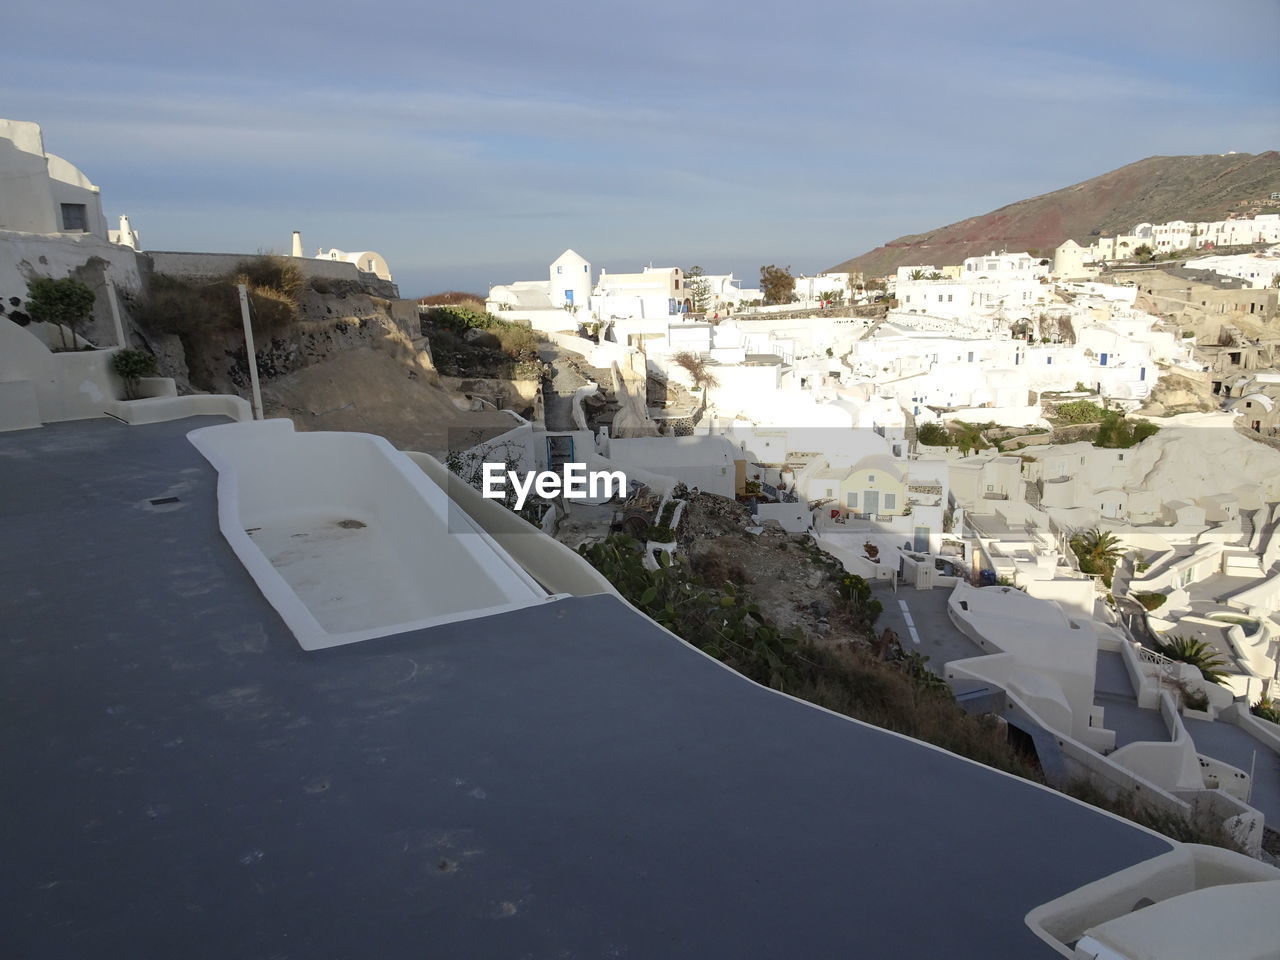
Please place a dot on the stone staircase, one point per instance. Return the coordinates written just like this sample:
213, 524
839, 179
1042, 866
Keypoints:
1032, 489
1246, 528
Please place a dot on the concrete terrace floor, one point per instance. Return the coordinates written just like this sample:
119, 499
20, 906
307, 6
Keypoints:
182, 780
935, 635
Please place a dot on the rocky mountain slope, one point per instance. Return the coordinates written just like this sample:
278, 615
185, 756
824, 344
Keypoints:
1154, 190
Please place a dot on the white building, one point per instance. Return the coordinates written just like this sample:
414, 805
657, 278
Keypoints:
1003, 285
569, 279
367, 261
1259, 270
654, 292
43, 193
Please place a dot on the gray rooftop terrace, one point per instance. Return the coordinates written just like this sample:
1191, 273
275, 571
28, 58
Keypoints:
182, 780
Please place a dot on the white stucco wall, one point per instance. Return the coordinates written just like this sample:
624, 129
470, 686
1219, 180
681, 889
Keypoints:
63, 386
24, 256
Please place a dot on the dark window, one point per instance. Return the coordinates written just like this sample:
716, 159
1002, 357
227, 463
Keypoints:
75, 218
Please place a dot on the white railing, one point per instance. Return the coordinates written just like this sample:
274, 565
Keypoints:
1151, 656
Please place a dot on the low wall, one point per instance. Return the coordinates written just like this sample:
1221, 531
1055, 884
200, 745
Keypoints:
209, 266
1172, 764
793, 517
160, 409
551, 563
77, 385
857, 564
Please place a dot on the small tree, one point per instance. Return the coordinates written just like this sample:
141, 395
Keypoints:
777, 283
131, 366
699, 288
933, 434
1144, 253
66, 302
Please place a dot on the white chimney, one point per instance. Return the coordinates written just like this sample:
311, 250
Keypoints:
126, 236
297, 243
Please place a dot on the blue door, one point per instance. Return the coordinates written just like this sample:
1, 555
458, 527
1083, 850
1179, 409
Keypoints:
559, 451
1102, 359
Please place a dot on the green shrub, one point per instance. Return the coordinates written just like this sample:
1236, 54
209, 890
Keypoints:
131, 366
1151, 601
1266, 709
1116, 431
1079, 411
661, 534
459, 318
933, 435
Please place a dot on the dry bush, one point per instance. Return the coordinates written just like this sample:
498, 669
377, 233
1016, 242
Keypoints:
279, 275
516, 341
1198, 828
853, 681
454, 298
715, 569
190, 307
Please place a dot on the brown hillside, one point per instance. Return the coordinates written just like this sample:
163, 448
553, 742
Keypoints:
1155, 190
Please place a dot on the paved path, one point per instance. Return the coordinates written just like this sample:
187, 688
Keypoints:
558, 391
919, 618
1230, 744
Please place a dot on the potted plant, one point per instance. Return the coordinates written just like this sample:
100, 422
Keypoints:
131, 366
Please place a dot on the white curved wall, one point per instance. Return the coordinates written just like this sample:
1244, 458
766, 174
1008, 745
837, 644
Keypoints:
348, 539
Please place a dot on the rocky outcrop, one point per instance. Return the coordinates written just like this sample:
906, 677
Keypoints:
1176, 393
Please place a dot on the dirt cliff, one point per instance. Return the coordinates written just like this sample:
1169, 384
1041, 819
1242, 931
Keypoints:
330, 356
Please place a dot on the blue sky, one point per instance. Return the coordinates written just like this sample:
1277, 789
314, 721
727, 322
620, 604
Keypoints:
472, 144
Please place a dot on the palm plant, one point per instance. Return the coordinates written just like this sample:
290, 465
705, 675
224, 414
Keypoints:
700, 373
916, 274
1098, 551
1198, 653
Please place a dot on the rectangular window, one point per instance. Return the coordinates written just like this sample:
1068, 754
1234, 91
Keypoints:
559, 270
891, 501
950, 297
75, 218
852, 501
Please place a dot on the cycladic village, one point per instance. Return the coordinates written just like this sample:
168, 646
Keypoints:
461, 505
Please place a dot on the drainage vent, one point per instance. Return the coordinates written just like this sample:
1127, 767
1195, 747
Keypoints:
159, 500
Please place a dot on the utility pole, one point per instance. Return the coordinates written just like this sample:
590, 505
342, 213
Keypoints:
250, 352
